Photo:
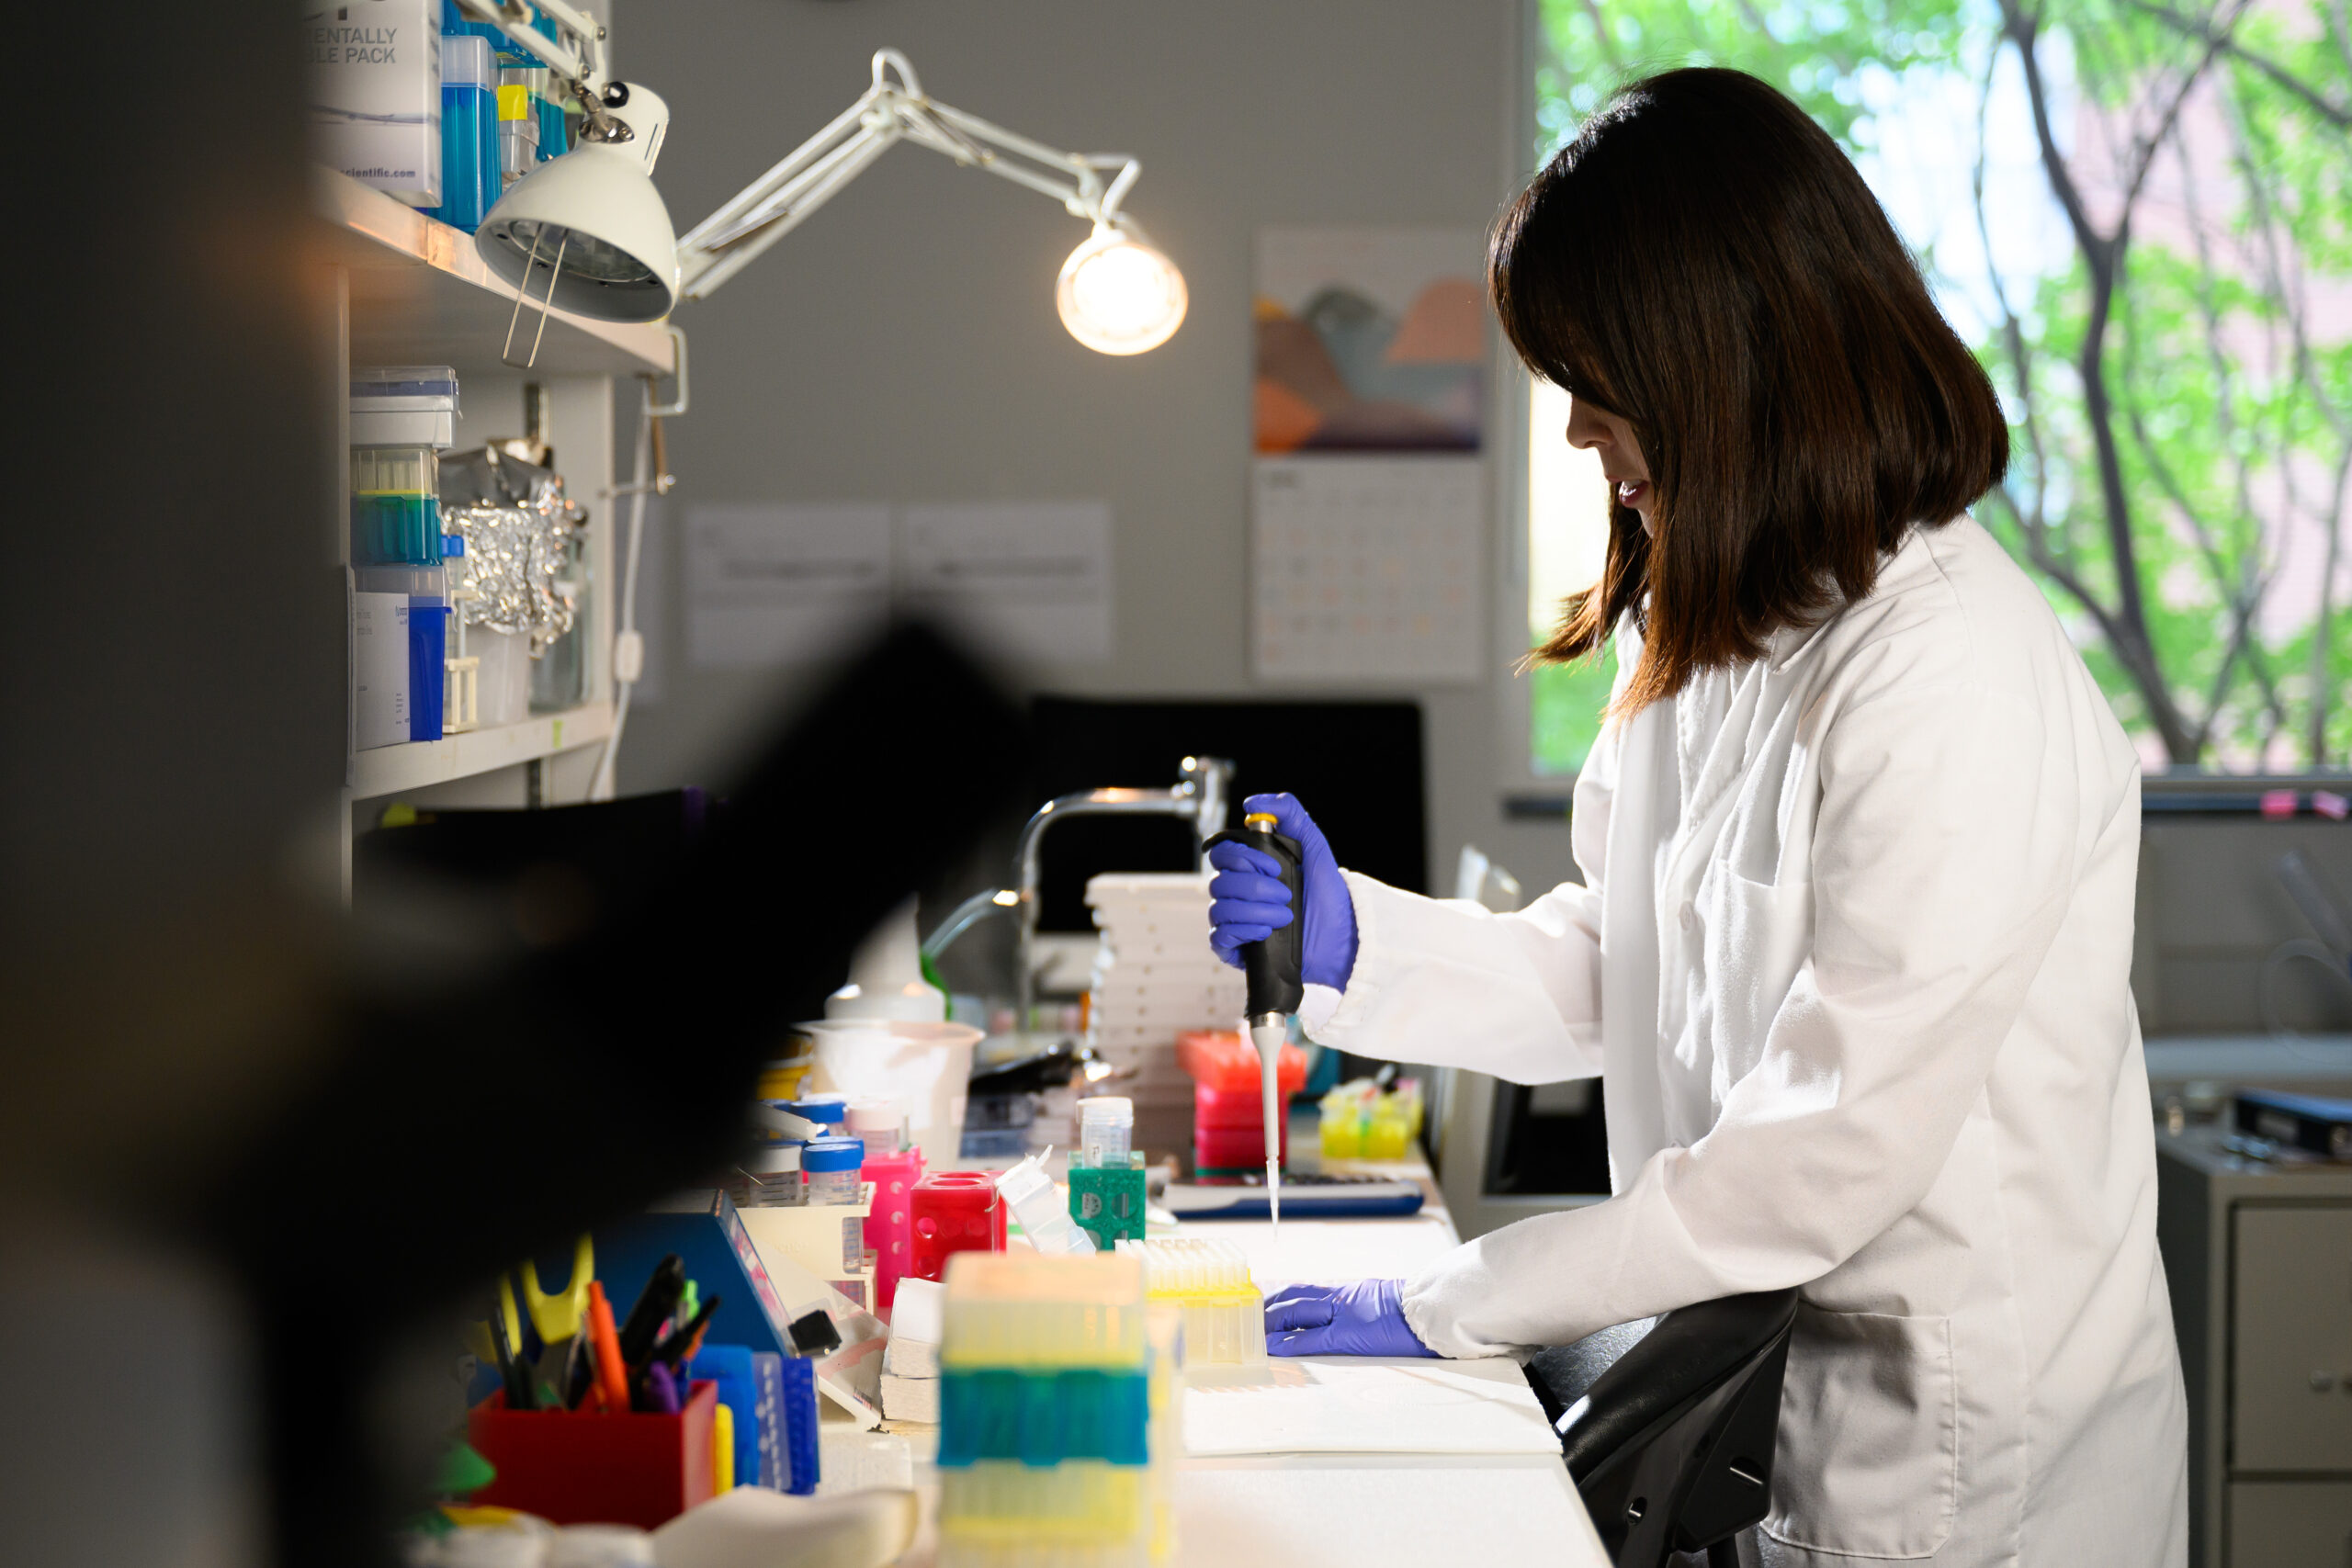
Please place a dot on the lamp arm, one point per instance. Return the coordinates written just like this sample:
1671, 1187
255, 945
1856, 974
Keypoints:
890, 111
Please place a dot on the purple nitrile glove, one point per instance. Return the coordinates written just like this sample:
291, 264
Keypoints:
1366, 1318
1248, 902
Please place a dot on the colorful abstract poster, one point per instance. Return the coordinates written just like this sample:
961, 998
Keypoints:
1370, 340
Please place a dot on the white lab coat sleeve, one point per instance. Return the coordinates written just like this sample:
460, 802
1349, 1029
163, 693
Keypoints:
1450, 983
1947, 844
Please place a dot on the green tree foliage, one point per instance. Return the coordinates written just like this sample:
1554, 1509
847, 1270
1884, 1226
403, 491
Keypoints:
2180, 392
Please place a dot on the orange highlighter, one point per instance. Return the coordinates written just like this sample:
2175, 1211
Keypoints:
612, 1378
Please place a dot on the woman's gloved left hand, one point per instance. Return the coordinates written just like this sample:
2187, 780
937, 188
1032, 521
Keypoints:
1365, 1318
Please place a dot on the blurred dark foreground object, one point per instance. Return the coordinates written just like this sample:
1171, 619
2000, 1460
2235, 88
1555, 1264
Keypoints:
1669, 1428
462, 1126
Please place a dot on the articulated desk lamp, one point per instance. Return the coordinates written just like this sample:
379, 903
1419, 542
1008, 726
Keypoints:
588, 233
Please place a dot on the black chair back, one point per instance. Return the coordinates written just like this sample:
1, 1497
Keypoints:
1670, 1445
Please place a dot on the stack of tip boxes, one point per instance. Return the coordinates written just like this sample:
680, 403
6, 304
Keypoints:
1058, 1420
1225, 1314
1155, 978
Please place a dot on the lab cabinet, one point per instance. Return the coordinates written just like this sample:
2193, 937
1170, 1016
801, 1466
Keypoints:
2291, 1358
2259, 1259
2291, 1522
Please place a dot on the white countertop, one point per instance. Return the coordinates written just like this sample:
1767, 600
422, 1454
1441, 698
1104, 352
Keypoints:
1367, 1511
1362, 1510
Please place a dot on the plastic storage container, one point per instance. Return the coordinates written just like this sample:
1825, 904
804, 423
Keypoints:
424, 590
1105, 1132
769, 1178
470, 181
953, 1211
518, 134
404, 405
880, 1124
379, 673
829, 1167
395, 507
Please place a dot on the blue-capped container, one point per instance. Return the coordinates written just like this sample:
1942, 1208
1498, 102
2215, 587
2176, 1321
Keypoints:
827, 1109
830, 1169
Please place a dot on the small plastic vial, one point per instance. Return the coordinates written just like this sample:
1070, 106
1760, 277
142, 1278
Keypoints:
830, 1168
879, 1124
771, 1177
1107, 1126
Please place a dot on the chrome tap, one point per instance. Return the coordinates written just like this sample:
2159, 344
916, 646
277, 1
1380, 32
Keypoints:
1199, 797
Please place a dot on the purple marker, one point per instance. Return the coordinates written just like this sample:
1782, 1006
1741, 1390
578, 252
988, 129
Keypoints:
660, 1391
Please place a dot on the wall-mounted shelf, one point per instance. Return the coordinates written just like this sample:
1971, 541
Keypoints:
388, 770
420, 295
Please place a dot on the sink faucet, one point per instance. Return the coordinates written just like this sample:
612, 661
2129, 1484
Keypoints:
1199, 797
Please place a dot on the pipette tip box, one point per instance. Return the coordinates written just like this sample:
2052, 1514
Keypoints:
1224, 1313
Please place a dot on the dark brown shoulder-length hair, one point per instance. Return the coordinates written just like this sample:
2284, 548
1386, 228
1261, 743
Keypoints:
1704, 263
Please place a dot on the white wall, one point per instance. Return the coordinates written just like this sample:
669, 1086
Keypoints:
902, 346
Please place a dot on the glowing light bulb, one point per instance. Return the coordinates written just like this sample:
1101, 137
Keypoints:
1117, 295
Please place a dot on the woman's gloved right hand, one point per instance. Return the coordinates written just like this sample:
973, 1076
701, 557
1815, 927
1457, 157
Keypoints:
1249, 903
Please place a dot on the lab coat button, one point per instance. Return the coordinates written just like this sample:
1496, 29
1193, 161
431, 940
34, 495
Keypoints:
1688, 915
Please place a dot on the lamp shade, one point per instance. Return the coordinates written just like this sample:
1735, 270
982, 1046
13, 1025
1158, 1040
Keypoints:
1118, 295
596, 207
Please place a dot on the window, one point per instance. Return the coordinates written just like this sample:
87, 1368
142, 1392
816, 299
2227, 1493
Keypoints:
2140, 213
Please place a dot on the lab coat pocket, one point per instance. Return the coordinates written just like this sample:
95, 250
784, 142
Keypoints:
1869, 1459
1758, 935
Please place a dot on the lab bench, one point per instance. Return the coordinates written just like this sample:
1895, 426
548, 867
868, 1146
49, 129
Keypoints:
1359, 1510
2258, 1257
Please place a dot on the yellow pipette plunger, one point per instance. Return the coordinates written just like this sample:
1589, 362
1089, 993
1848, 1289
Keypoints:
1275, 987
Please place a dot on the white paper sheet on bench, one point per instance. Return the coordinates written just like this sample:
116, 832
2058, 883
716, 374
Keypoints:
1367, 1405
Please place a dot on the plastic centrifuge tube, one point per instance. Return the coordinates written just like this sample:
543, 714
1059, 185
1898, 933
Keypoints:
1105, 1132
830, 1167
879, 1124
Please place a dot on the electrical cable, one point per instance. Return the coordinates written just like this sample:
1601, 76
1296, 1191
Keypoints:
2278, 958
601, 786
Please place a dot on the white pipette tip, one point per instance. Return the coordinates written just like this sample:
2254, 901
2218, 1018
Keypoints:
1268, 1037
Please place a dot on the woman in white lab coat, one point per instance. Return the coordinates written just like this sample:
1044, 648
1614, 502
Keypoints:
1859, 843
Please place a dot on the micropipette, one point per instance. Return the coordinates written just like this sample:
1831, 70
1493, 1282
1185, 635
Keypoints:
1275, 988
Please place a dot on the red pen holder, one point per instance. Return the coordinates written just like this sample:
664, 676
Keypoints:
955, 1210
575, 1467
